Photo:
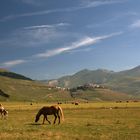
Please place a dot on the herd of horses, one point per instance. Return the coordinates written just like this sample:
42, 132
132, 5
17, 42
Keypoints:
55, 110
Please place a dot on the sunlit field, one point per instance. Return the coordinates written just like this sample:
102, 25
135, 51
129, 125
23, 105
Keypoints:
86, 121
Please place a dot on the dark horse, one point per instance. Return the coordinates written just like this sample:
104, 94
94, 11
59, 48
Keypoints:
50, 110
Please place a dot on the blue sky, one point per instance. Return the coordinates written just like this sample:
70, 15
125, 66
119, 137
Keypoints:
46, 39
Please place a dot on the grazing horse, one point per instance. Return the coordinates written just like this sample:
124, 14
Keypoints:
3, 112
50, 110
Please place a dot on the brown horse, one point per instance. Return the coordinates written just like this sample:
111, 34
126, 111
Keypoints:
50, 110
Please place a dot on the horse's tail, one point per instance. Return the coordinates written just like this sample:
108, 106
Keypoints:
61, 113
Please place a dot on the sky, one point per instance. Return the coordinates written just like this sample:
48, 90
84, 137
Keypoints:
47, 39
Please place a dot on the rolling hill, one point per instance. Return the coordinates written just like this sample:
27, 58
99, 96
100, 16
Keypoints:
21, 88
6, 73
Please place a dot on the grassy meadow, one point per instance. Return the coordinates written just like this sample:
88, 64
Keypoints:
86, 121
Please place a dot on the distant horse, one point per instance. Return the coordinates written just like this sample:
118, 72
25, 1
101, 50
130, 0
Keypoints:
50, 110
4, 113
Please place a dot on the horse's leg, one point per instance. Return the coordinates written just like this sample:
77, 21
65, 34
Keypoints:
2, 115
55, 118
43, 119
58, 118
47, 119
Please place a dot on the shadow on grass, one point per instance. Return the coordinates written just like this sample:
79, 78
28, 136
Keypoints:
36, 124
33, 124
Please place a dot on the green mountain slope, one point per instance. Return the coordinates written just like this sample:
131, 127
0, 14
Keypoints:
125, 81
27, 90
85, 76
22, 89
99, 94
6, 73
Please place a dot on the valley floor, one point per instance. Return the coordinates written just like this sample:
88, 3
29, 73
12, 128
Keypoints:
96, 121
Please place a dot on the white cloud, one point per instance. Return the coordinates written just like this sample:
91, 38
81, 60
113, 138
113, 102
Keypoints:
48, 26
13, 63
95, 3
83, 5
117, 17
42, 34
36, 35
82, 43
136, 24
87, 41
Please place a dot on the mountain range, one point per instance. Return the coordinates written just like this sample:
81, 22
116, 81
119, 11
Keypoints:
127, 81
123, 85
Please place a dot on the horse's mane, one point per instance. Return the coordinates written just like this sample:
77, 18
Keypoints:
39, 113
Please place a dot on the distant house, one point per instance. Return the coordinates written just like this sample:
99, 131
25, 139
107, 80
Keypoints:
53, 83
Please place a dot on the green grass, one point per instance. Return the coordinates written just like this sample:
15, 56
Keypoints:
83, 122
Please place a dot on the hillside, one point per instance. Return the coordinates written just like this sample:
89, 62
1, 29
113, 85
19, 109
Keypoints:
85, 76
127, 81
6, 73
100, 94
16, 89
21, 89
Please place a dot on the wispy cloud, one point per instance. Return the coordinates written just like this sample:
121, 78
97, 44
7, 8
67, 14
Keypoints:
95, 3
47, 26
82, 43
117, 17
13, 63
87, 41
135, 24
82, 5
36, 35
88, 49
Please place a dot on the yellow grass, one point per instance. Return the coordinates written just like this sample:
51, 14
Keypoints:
86, 121
28, 106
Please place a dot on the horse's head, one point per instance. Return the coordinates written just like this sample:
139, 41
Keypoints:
36, 119
38, 116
